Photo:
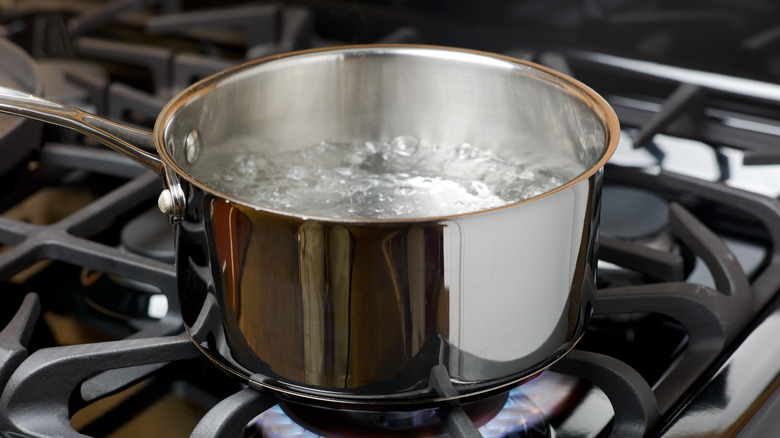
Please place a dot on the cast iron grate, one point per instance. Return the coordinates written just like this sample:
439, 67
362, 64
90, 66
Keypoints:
48, 379
57, 380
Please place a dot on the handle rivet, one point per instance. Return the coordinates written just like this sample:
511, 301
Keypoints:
165, 202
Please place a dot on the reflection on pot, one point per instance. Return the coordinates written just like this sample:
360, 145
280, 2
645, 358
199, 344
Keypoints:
361, 310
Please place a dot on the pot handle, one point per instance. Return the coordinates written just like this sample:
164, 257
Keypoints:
121, 138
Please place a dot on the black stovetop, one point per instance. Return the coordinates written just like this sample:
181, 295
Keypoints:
683, 339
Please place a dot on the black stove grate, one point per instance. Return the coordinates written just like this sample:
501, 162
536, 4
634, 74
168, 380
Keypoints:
50, 377
719, 111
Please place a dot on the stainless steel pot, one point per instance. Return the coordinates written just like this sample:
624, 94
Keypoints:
386, 313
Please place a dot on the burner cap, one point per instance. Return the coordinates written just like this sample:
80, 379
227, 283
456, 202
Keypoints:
632, 214
150, 235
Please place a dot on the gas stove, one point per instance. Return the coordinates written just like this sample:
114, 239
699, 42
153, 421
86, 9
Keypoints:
682, 342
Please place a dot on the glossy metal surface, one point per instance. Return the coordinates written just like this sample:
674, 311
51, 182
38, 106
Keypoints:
122, 139
343, 311
18, 70
740, 398
382, 312
348, 312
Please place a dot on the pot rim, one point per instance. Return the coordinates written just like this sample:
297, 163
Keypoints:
593, 100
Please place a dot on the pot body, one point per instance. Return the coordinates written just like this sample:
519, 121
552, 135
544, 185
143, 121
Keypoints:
377, 313
388, 312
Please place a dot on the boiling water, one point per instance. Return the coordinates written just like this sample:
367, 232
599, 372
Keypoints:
401, 178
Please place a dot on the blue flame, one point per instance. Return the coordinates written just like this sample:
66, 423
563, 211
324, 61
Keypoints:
527, 407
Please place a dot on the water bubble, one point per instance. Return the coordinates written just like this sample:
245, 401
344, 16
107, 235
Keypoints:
508, 176
463, 151
355, 159
371, 147
374, 179
402, 209
245, 168
532, 192
404, 145
321, 147
404, 190
360, 186
479, 189
526, 174
501, 160
297, 173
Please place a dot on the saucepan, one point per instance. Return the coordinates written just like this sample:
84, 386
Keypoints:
376, 312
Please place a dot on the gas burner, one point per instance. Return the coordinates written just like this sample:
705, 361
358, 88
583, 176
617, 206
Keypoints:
148, 235
526, 411
633, 214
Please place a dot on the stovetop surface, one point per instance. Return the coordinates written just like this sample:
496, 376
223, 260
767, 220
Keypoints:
682, 343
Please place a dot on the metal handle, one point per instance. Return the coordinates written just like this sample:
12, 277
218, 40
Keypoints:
116, 136
123, 139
